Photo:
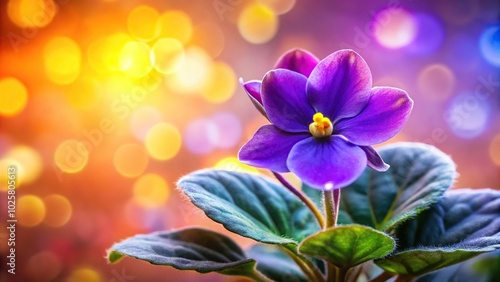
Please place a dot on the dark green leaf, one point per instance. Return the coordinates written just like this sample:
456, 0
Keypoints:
276, 264
189, 249
347, 246
249, 205
418, 177
463, 224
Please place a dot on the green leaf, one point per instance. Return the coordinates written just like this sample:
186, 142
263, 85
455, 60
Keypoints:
349, 245
276, 264
249, 205
418, 177
189, 249
463, 224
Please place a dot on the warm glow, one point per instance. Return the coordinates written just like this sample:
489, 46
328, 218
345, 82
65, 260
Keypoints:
62, 60
167, 55
5, 163
163, 141
71, 156
233, 164
135, 59
103, 54
13, 96
495, 150
31, 13
144, 23
176, 25
58, 210
30, 160
130, 160
394, 28
151, 191
436, 82
84, 275
44, 266
222, 84
30, 210
258, 24
195, 73
278, 6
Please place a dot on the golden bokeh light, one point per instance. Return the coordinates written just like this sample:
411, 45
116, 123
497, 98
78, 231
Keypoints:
13, 96
167, 55
84, 274
233, 164
135, 59
5, 163
222, 84
144, 23
102, 52
58, 210
151, 191
61, 57
71, 156
495, 150
194, 75
30, 160
83, 93
31, 13
30, 210
44, 266
258, 24
163, 141
436, 82
130, 160
209, 37
176, 24
280, 7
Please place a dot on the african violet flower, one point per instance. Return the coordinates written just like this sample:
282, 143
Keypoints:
325, 116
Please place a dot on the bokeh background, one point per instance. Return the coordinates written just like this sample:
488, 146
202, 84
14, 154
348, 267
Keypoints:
105, 104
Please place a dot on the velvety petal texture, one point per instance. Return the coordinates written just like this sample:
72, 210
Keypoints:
269, 148
326, 163
297, 60
285, 100
385, 115
339, 86
375, 161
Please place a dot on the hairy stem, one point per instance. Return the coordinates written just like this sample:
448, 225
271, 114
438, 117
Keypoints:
259, 277
332, 199
384, 276
307, 266
303, 198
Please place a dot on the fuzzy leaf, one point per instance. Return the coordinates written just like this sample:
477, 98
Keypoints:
249, 205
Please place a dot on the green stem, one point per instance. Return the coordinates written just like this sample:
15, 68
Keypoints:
332, 199
384, 276
303, 198
259, 277
307, 266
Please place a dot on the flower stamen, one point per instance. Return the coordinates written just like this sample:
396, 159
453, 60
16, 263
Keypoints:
321, 126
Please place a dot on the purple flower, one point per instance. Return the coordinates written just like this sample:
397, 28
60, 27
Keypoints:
325, 116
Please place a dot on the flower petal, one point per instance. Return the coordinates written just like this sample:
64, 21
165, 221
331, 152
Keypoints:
269, 148
339, 85
297, 60
385, 115
326, 163
285, 101
252, 88
375, 161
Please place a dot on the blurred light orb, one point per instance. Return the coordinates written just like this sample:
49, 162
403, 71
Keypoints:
258, 24
135, 59
143, 119
222, 84
233, 164
177, 25
30, 160
58, 210
31, 13
13, 96
279, 7
102, 52
436, 82
194, 75
489, 44
83, 93
494, 149
163, 141
84, 274
43, 266
167, 55
200, 136
130, 160
468, 115
5, 163
429, 36
151, 191
229, 130
30, 210
209, 37
394, 28
71, 156
62, 57
144, 23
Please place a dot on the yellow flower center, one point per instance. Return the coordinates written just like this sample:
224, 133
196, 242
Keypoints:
321, 126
